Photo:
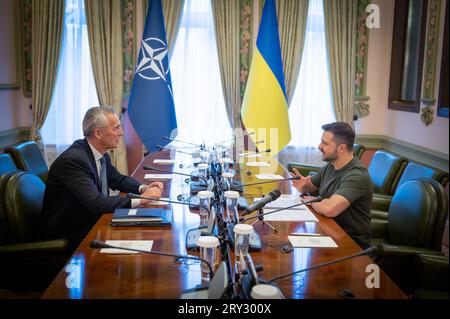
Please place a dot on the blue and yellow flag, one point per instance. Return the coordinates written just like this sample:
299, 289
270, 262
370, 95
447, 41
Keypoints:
265, 103
151, 108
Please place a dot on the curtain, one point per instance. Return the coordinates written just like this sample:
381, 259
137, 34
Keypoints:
105, 41
340, 31
194, 66
47, 18
74, 89
226, 22
172, 11
292, 17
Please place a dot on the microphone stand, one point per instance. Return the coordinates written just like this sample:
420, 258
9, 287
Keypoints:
263, 221
173, 140
270, 181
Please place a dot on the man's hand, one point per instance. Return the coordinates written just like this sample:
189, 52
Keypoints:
154, 192
307, 198
144, 188
300, 184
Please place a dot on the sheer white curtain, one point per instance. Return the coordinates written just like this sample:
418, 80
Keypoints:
74, 90
311, 105
194, 66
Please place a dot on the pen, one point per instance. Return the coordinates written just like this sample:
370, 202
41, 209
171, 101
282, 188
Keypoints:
306, 234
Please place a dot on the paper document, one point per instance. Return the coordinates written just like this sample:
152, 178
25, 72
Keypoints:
252, 155
258, 164
159, 203
164, 161
291, 215
312, 241
133, 244
269, 176
158, 176
285, 200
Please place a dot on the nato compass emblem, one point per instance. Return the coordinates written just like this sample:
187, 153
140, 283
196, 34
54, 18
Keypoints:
151, 65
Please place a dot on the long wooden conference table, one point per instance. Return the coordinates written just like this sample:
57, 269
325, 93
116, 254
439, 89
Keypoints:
91, 274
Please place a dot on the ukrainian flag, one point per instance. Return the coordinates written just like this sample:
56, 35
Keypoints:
264, 108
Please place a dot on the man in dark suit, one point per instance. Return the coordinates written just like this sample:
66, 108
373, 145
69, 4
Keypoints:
77, 190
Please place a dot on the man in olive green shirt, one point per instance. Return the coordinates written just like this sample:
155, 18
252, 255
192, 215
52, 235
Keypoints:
343, 183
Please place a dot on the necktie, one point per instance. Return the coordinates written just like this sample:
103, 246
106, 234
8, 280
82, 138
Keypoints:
103, 179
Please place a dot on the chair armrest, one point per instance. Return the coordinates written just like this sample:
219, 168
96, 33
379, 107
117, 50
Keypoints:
381, 202
403, 252
40, 248
303, 169
378, 214
379, 228
432, 271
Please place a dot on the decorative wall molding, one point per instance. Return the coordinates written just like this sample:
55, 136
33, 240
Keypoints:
411, 151
14, 136
245, 43
431, 47
362, 41
128, 43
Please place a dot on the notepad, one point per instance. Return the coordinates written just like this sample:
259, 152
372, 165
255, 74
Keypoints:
312, 241
258, 164
133, 244
160, 203
269, 176
285, 200
253, 155
291, 215
164, 161
158, 176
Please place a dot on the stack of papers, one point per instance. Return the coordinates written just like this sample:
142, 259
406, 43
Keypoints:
312, 241
132, 244
251, 155
285, 200
164, 161
158, 176
269, 176
291, 215
258, 164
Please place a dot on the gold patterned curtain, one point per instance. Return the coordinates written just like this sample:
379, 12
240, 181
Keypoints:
340, 32
105, 43
47, 17
172, 10
226, 22
292, 17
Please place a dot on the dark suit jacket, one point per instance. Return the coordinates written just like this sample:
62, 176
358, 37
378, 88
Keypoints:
73, 201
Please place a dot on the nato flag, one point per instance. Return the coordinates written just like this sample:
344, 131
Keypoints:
151, 107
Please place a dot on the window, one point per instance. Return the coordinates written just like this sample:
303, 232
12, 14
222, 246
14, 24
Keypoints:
74, 90
407, 55
198, 97
311, 105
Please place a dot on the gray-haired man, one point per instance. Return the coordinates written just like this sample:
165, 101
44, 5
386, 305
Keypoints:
77, 190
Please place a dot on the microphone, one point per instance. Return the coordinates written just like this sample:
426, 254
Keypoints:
98, 244
257, 152
315, 200
131, 195
172, 149
246, 134
151, 168
268, 182
367, 251
273, 195
173, 140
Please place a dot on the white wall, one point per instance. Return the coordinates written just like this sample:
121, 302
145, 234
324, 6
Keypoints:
404, 126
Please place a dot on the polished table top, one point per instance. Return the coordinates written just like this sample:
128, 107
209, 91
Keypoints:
90, 274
